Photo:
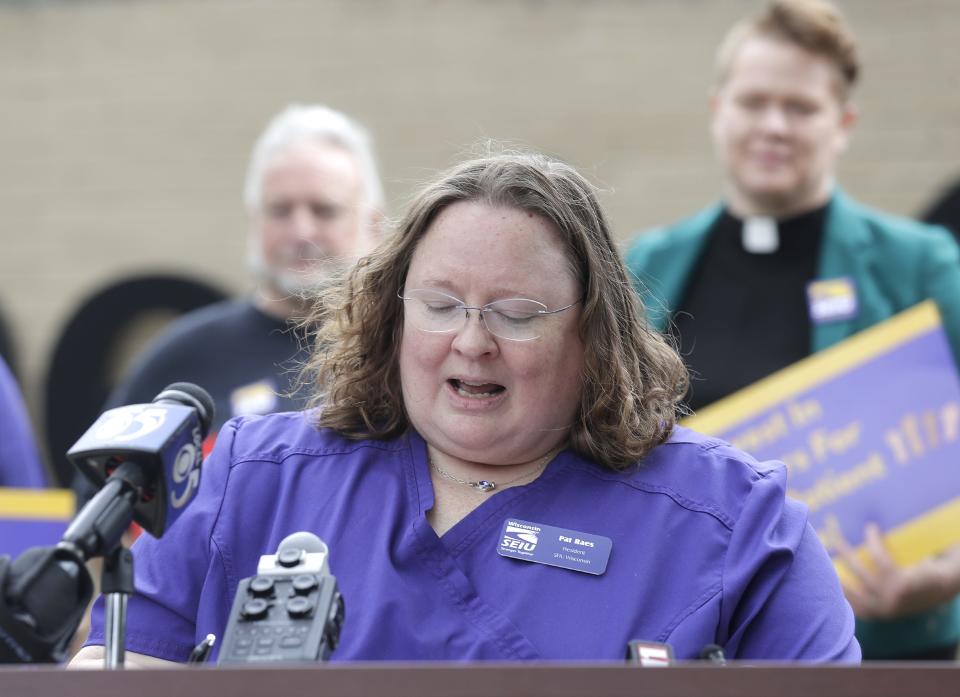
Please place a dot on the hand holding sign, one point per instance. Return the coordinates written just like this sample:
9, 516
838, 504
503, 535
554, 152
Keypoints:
878, 588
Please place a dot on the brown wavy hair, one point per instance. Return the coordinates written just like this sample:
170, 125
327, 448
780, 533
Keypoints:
632, 378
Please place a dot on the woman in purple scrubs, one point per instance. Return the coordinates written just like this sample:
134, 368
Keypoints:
494, 463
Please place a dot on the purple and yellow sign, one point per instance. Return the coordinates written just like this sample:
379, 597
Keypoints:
869, 430
33, 518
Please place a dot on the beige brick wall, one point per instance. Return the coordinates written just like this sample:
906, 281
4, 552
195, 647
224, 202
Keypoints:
125, 125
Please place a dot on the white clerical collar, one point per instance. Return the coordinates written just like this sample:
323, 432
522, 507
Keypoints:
760, 235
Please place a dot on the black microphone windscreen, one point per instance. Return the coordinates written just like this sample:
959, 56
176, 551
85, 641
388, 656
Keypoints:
713, 653
191, 395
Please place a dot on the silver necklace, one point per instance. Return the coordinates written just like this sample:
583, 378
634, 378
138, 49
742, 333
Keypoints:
485, 485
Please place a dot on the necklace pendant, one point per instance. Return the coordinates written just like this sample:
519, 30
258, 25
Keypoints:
484, 485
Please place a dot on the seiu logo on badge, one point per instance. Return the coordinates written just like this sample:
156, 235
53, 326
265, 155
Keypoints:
832, 300
520, 537
545, 544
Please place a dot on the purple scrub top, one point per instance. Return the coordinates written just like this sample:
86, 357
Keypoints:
706, 549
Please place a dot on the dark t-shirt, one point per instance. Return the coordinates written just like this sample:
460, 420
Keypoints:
745, 315
247, 360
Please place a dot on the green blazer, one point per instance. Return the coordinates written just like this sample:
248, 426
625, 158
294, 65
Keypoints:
894, 263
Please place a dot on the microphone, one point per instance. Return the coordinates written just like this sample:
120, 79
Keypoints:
147, 458
291, 611
653, 654
649, 654
713, 653
147, 455
305, 541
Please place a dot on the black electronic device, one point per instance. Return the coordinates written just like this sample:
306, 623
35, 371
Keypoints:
290, 612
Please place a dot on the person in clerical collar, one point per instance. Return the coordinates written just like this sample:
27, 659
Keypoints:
787, 265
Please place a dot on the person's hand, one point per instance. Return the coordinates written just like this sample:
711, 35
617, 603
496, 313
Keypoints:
884, 590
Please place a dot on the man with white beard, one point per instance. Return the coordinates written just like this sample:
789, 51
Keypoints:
314, 200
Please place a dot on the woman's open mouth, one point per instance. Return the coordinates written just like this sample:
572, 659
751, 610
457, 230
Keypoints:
475, 390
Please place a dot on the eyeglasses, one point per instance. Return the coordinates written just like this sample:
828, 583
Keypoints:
514, 319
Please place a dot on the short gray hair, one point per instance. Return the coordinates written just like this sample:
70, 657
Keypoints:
298, 123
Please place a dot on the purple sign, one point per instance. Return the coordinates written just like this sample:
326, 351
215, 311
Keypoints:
17, 535
33, 518
869, 431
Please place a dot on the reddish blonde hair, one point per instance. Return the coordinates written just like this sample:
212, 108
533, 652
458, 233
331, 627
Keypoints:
816, 26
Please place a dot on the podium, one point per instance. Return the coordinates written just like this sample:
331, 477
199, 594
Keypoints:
493, 680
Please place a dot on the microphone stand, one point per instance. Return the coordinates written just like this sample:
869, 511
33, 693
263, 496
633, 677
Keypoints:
98, 531
116, 583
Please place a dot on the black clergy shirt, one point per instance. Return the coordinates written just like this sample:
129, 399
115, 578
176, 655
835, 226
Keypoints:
744, 315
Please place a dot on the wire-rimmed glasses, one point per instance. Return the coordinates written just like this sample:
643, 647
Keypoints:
514, 319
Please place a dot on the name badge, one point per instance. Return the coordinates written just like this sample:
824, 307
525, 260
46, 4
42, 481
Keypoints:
255, 398
832, 300
545, 544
